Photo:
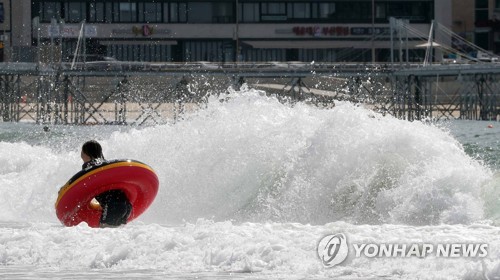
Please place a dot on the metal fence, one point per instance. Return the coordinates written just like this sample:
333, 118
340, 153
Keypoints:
138, 93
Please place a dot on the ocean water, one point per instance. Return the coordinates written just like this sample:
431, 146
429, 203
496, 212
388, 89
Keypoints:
248, 189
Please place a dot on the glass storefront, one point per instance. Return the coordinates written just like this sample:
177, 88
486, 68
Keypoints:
301, 16
224, 11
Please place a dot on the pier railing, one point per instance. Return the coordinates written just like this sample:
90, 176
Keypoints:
138, 93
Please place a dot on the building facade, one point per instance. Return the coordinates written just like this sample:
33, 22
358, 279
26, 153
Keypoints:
224, 30
478, 21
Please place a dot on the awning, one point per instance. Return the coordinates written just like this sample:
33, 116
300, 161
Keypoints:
143, 42
425, 45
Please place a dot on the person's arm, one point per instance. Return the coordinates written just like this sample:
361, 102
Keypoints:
101, 198
97, 202
95, 205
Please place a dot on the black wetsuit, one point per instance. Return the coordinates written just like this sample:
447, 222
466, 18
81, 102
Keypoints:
116, 207
92, 163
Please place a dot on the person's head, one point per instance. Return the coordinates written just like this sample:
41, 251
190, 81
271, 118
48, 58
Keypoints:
91, 150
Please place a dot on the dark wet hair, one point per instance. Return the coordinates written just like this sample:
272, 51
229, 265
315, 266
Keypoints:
93, 149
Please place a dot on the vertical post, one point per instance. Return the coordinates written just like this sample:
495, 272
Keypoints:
428, 53
391, 24
36, 25
66, 99
18, 93
53, 25
237, 35
5, 101
61, 28
373, 31
84, 42
406, 43
399, 24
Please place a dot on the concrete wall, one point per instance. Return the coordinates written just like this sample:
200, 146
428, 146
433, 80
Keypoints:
21, 23
21, 48
463, 16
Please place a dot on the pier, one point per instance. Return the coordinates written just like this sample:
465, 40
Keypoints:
151, 93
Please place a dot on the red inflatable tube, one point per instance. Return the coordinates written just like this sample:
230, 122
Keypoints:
136, 179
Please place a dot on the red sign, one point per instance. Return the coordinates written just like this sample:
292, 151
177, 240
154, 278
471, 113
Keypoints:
145, 30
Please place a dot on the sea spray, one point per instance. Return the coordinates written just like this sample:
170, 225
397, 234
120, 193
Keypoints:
286, 176
252, 158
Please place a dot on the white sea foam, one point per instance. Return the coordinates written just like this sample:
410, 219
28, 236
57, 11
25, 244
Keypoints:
221, 250
251, 185
253, 159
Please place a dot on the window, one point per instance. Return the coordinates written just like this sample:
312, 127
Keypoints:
274, 11
125, 12
223, 12
497, 4
182, 12
200, 12
178, 12
380, 12
149, 12
421, 11
481, 12
75, 11
353, 12
417, 10
109, 11
165, 12
481, 15
299, 10
481, 4
398, 10
482, 40
96, 12
50, 10
273, 8
174, 12
323, 10
250, 12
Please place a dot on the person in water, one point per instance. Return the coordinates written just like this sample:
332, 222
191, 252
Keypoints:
115, 206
